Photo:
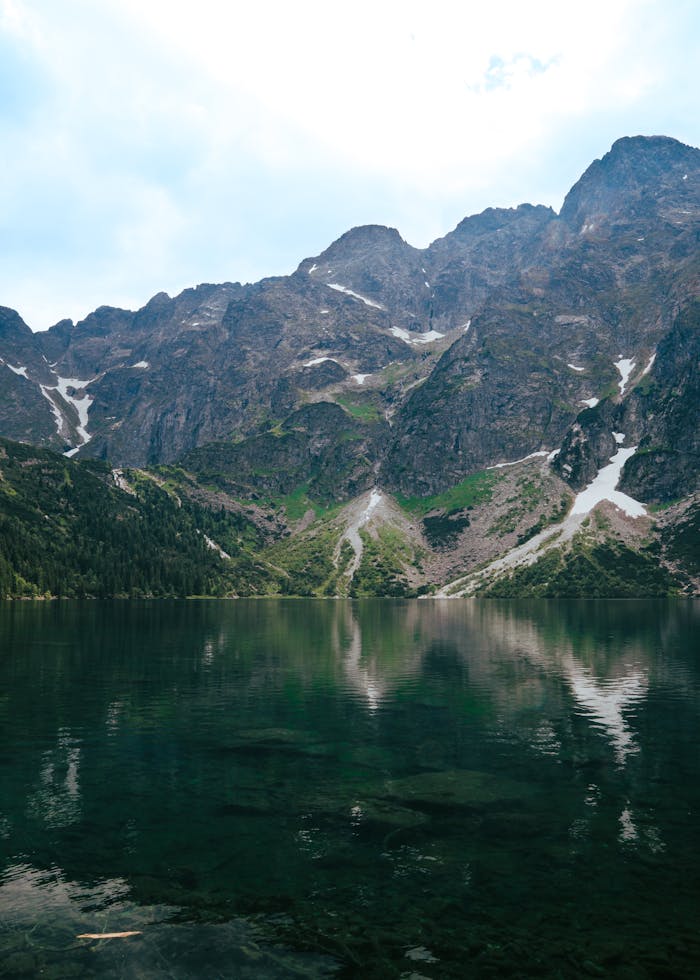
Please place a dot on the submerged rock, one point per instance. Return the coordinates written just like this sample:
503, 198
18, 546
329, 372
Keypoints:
455, 787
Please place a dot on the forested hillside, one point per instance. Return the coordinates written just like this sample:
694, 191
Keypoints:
66, 529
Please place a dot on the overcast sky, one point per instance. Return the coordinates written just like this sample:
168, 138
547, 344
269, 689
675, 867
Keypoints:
151, 145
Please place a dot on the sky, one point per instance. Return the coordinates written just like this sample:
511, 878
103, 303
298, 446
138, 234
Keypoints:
150, 145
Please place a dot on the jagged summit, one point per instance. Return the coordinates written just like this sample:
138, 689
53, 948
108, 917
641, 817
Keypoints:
11, 323
637, 172
365, 235
459, 354
356, 244
493, 219
652, 152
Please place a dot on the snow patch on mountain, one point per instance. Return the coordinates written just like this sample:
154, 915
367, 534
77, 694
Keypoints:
317, 360
80, 404
58, 417
351, 292
21, 371
514, 462
625, 366
603, 487
416, 338
650, 365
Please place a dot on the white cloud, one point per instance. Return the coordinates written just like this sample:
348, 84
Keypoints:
420, 91
153, 144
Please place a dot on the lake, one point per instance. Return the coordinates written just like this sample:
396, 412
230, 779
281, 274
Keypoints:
370, 788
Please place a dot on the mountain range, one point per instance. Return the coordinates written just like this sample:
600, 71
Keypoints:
510, 411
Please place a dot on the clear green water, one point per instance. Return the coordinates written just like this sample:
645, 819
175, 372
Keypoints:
363, 789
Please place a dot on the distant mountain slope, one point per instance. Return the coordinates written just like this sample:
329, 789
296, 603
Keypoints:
368, 319
79, 529
379, 367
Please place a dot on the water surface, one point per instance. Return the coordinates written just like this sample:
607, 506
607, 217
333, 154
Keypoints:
374, 789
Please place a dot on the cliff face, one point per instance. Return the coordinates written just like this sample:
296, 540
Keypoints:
521, 331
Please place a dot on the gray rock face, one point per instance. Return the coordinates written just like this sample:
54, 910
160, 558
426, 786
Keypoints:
665, 410
379, 361
319, 446
25, 410
588, 445
659, 416
640, 177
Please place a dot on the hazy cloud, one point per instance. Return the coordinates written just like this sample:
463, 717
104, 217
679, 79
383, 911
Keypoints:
150, 145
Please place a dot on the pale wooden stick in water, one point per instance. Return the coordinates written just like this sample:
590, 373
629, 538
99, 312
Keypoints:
108, 935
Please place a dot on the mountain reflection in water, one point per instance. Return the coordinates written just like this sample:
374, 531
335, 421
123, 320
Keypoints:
290, 788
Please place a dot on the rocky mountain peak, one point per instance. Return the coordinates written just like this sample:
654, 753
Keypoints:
357, 245
372, 265
363, 236
11, 324
481, 349
494, 219
158, 302
636, 174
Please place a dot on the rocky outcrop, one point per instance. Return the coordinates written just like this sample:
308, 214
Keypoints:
588, 445
319, 447
664, 409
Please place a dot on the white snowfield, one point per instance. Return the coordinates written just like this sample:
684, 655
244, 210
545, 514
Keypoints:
600, 489
351, 292
21, 371
81, 405
58, 418
625, 366
603, 487
541, 452
590, 402
317, 360
360, 378
145, 364
416, 338
650, 365
575, 368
